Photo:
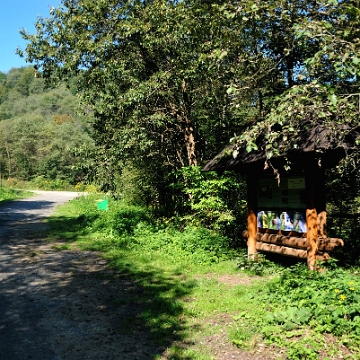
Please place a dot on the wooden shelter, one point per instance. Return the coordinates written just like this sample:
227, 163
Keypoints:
287, 209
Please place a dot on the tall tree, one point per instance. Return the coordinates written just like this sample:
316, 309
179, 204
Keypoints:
171, 81
149, 70
309, 52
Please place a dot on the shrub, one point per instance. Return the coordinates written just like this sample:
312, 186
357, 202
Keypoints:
136, 228
214, 201
194, 245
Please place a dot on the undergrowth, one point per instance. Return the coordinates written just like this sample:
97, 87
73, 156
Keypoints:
301, 306
307, 314
134, 227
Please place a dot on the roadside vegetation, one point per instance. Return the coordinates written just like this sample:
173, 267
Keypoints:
7, 194
42, 183
199, 291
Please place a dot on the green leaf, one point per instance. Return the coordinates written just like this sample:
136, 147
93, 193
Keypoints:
288, 326
333, 99
230, 90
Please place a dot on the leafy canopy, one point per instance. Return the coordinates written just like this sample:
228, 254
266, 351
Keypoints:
171, 81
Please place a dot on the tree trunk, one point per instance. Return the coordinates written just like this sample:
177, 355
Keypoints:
188, 129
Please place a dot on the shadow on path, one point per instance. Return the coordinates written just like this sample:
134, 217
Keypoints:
70, 305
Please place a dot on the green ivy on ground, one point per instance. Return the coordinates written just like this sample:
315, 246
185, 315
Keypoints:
298, 308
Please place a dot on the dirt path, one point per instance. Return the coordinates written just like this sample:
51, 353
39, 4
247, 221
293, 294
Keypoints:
67, 305
59, 304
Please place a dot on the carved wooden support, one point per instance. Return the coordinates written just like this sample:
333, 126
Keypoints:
312, 237
252, 217
252, 230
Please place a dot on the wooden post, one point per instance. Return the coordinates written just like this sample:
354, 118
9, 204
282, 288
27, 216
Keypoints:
312, 236
320, 202
312, 183
252, 216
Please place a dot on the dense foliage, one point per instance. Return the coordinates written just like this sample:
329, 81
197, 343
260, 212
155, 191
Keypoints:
310, 52
40, 128
171, 82
155, 75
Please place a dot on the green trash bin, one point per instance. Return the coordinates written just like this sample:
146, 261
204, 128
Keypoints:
102, 204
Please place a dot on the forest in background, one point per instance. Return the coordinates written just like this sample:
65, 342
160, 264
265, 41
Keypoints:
40, 128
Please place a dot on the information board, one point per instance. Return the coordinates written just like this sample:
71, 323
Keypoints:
288, 194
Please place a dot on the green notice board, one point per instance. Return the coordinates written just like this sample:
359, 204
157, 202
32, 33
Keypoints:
288, 194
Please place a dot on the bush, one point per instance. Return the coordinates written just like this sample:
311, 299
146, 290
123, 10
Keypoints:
193, 245
214, 201
135, 227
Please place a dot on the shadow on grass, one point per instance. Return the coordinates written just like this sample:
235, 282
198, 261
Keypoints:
70, 228
72, 303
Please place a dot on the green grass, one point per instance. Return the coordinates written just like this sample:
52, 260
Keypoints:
7, 194
192, 286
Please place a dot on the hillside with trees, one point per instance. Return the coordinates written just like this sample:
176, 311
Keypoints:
40, 128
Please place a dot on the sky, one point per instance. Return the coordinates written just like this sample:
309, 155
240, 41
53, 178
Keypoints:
15, 15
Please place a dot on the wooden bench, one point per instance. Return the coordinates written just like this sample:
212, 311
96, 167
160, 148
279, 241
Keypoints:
294, 245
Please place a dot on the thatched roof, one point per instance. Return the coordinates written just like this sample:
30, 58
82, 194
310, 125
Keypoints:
329, 143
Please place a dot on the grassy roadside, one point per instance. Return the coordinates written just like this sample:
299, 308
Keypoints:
7, 194
200, 298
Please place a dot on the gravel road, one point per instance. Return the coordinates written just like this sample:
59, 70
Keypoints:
22, 279
60, 305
